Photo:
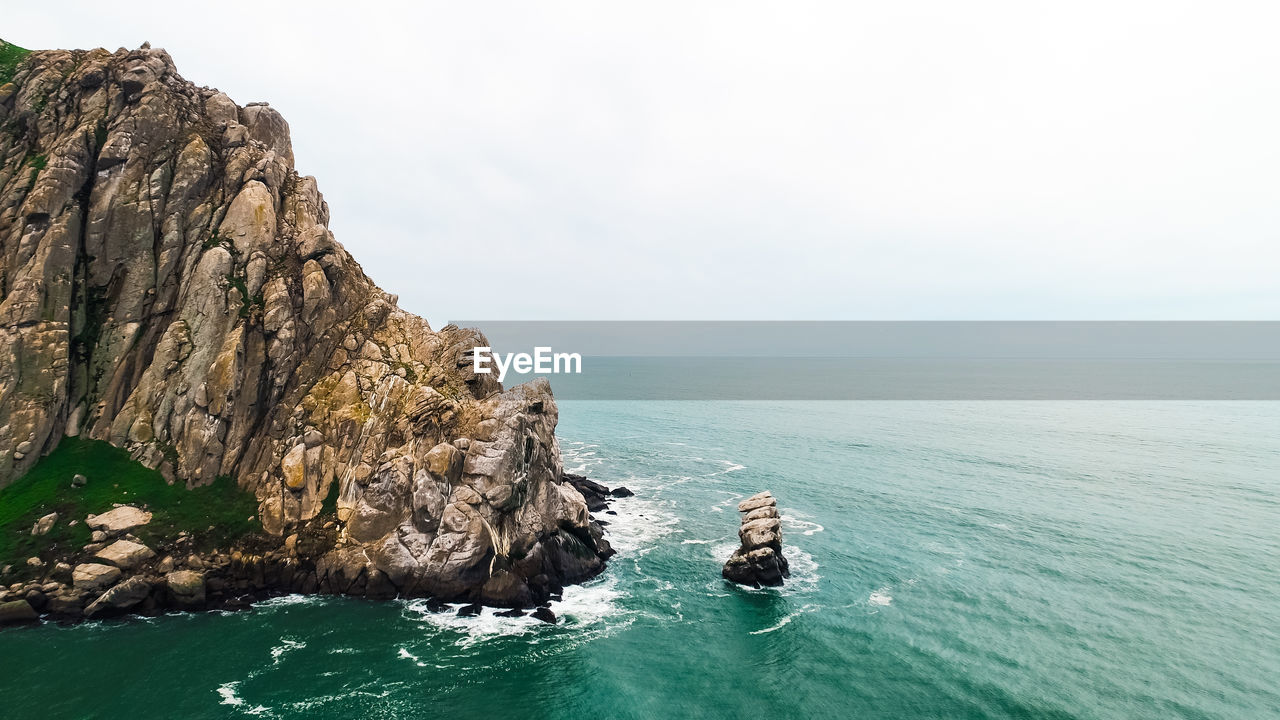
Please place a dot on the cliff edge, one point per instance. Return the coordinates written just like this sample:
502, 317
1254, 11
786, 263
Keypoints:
170, 286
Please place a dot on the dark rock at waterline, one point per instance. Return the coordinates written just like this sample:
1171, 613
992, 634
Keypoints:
469, 610
512, 613
545, 615
621, 492
593, 492
760, 567
603, 549
758, 560
506, 589
18, 611
37, 599
585, 485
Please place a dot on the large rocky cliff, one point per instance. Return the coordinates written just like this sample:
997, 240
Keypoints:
170, 286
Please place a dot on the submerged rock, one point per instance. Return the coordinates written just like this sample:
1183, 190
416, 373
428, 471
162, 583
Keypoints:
759, 560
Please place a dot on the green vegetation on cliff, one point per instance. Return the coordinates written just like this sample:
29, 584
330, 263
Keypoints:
215, 515
10, 56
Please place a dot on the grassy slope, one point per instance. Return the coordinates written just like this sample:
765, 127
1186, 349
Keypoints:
10, 55
215, 515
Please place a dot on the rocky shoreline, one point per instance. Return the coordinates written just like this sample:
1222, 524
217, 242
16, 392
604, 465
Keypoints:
118, 574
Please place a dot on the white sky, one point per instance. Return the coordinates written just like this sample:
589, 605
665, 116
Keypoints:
904, 160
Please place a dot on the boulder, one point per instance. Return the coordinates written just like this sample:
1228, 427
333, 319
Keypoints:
66, 604
124, 554
121, 597
125, 517
94, 576
186, 587
759, 500
16, 611
79, 481
44, 524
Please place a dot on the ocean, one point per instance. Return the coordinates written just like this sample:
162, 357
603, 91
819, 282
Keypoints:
949, 560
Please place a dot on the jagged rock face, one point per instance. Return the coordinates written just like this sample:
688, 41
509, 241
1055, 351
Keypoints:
759, 559
170, 286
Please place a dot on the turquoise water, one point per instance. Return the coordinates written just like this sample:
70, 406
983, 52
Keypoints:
950, 560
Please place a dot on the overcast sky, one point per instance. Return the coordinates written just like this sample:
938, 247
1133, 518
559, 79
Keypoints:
906, 160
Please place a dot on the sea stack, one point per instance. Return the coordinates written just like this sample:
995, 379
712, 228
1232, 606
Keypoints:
759, 560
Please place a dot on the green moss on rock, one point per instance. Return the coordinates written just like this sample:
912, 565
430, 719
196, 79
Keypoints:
10, 56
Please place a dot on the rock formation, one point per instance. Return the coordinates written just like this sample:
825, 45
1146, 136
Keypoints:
170, 286
759, 560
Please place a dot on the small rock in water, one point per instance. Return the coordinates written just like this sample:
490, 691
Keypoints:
621, 492
545, 615
469, 610
79, 480
513, 613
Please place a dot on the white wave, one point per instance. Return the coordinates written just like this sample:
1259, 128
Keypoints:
285, 600
793, 524
880, 597
582, 606
696, 542
406, 655
286, 645
804, 571
786, 620
228, 693
579, 457
723, 549
639, 524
